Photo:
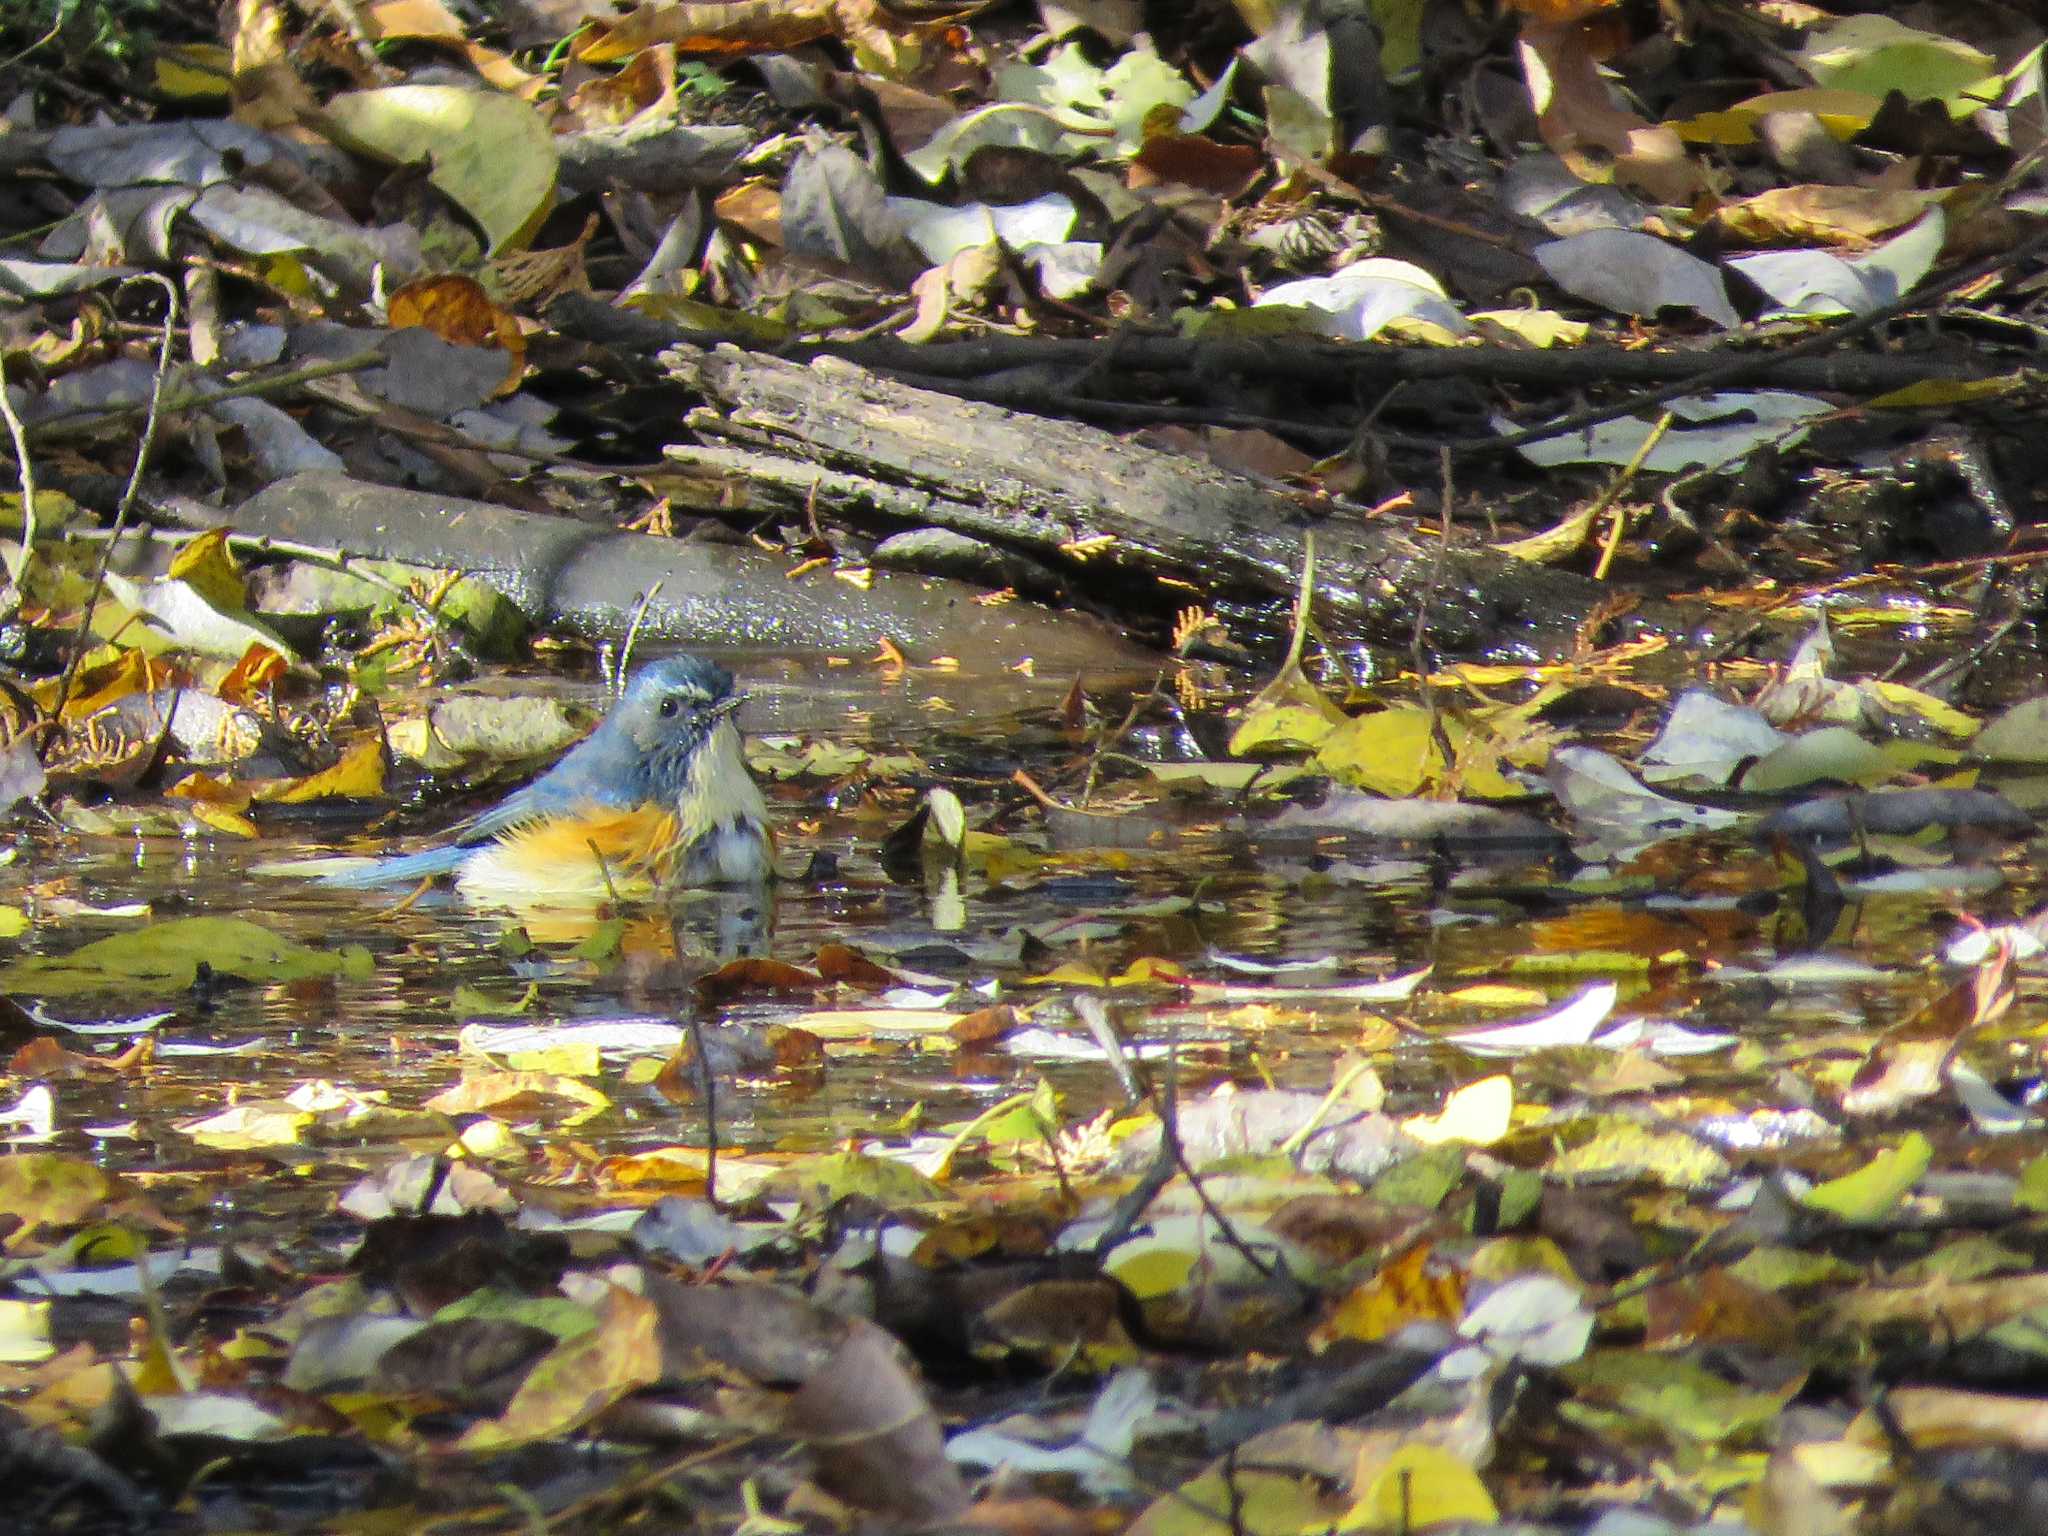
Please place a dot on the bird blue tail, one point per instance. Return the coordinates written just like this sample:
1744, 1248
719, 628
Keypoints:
366, 874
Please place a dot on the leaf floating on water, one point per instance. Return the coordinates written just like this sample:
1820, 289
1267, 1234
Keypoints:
1572, 1024
1478, 1114
357, 775
165, 957
266, 1123
1875, 1189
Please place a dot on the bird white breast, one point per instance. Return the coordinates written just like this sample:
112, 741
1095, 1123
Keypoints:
724, 818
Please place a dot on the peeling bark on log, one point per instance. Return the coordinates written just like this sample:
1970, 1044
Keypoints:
880, 452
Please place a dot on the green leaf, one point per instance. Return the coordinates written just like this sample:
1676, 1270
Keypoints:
822, 1180
558, 1315
1423, 1180
603, 943
1874, 1189
1290, 726
490, 153
1685, 1400
2032, 1194
165, 957
1140, 84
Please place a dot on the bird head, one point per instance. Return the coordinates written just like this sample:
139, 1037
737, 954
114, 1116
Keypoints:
670, 710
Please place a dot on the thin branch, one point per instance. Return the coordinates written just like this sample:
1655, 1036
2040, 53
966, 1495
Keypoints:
1744, 369
1418, 642
1616, 486
19, 434
81, 423
142, 451
618, 677
709, 1085
1171, 1158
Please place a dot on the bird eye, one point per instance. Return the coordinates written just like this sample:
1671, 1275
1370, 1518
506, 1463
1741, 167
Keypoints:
669, 706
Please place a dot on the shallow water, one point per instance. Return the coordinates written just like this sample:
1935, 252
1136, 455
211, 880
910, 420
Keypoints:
1692, 937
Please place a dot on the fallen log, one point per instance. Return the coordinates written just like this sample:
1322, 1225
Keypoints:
1152, 531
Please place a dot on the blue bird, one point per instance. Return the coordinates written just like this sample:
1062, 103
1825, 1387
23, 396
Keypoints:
657, 796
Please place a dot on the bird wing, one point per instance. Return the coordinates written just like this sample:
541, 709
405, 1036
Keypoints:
602, 773
594, 775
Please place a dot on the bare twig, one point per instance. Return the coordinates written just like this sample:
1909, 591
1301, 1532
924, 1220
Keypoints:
1308, 1128
80, 423
1108, 740
26, 466
1745, 369
618, 678
1615, 487
142, 451
43, 41
1111, 1044
1297, 636
709, 1084
1172, 1158
1418, 641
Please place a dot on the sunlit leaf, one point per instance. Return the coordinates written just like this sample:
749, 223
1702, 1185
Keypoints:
1424, 1180
262, 1124
40, 1189
491, 154
1416, 1287
502, 1092
181, 616
579, 1378
835, 1176
193, 71
25, 1332
1418, 1487
210, 569
1876, 54
1149, 1267
1876, 1188
1844, 114
357, 775
1284, 727
1683, 1399
1626, 1148
1256, 1500
1477, 1114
